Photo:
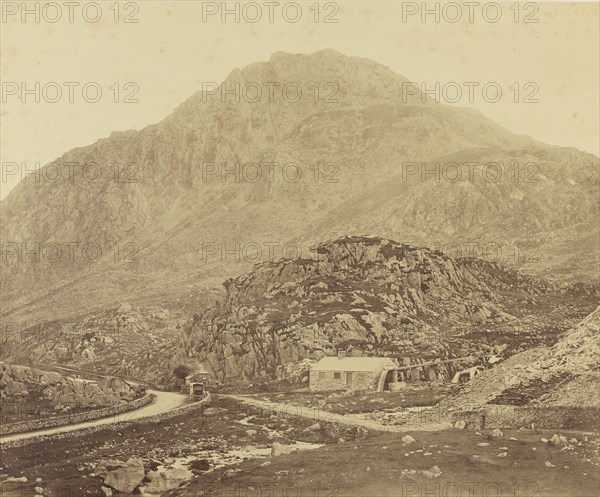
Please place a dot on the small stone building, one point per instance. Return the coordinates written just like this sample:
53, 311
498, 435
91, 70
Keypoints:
353, 373
198, 376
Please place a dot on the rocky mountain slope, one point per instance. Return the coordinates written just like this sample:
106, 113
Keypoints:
128, 340
138, 232
565, 374
373, 296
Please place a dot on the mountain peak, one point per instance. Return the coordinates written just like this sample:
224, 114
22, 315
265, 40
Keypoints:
322, 53
352, 133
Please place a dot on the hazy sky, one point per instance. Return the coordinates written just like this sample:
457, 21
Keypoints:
170, 51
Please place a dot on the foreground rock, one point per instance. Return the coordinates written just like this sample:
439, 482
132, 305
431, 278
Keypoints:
122, 476
166, 479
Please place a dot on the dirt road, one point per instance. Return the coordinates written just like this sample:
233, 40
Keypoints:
318, 415
164, 401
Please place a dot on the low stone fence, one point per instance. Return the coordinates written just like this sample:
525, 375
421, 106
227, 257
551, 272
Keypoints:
505, 416
113, 426
74, 418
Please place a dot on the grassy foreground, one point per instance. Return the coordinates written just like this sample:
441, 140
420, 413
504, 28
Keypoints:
438, 464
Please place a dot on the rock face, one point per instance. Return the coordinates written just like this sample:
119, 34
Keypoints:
373, 296
157, 232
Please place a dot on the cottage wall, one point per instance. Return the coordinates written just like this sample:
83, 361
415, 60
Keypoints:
325, 380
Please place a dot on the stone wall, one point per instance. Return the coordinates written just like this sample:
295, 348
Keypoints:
360, 380
73, 418
503, 416
117, 425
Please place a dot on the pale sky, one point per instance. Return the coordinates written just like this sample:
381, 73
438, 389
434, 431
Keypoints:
170, 52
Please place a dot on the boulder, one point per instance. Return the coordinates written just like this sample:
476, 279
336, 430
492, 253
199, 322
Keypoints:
50, 378
20, 479
496, 433
127, 477
16, 389
315, 427
200, 465
501, 348
119, 387
167, 479
559, 441
434, 472
407, 439
279, 449
88, 354
214, 411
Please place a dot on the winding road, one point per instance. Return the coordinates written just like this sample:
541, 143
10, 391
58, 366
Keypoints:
163, 402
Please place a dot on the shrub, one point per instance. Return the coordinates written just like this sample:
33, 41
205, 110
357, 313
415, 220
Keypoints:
181, 371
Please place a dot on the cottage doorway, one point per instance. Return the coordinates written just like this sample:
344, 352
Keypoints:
348, 379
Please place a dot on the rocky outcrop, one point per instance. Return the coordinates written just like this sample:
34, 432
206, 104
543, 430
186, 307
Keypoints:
14, 380
77, 392
24, 374
373, 296
64, 392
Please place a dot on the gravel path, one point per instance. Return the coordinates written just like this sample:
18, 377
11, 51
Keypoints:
318, 415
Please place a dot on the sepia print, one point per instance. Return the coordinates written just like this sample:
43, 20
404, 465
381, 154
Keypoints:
299, 249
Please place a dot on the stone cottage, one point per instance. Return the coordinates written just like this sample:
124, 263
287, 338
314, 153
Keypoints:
354, 373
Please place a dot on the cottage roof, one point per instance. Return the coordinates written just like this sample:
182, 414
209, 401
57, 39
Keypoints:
353, 364
199, 372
